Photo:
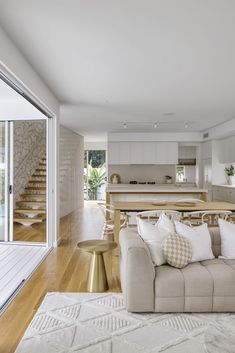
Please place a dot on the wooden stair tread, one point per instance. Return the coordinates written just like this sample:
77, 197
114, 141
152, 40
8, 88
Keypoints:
40, 169
36, 188
27, 210
39, 175
37, 182
31, 203
28, 220
34, 195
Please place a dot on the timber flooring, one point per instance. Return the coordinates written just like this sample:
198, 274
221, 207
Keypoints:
34, 233
64, 270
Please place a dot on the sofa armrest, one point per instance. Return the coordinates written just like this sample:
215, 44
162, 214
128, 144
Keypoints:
137, 272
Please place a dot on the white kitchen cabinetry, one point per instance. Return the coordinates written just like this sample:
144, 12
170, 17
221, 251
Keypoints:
227, 150
187, 152
223, 193
113, 153
143, 153
124, 153
149, 153
136, 153
166, 153
207, 176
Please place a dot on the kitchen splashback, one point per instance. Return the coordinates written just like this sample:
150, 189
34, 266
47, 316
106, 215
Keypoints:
148, 173
142, 173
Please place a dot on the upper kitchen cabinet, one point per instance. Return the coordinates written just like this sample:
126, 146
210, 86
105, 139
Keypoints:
119, 153
136, 153
149, 153
124, 153
113, 153
166, 153
227, 150
142, 153
187, 152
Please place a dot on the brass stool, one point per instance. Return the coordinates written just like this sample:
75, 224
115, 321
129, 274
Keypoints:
97, 279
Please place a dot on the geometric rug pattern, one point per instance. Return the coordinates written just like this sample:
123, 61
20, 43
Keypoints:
99, 323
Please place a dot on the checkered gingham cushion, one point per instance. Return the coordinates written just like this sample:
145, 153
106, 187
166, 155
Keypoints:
177, 251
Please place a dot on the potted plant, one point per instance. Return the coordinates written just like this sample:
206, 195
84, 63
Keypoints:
168, 179
230, 173
96, 178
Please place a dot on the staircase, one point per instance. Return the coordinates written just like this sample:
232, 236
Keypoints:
31, 208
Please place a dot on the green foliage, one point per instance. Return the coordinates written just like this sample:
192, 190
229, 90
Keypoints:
230, 171
96, 178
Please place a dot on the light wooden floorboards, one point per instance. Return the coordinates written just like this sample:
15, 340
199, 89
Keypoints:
65, 270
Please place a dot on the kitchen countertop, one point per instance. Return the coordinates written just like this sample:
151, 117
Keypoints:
158, 188
225, 186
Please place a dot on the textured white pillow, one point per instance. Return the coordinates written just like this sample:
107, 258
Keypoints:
154, 235
165, 224
227, 235
199, 238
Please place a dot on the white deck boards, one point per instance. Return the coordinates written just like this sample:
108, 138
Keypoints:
17, 262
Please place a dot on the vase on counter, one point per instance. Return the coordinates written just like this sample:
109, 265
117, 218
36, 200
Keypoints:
231, 179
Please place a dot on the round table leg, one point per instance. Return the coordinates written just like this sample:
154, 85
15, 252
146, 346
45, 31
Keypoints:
97, 280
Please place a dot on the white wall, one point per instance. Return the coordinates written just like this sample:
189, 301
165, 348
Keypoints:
96, 145
71, 171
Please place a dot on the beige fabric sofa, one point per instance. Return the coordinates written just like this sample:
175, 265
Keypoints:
207, 286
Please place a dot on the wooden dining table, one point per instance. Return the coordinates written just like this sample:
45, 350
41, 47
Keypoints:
139, 206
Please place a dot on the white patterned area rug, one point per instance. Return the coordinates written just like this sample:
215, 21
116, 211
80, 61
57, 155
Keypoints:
99, 323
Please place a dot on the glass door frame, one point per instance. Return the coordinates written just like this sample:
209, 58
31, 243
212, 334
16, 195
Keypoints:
52, 155
9, 183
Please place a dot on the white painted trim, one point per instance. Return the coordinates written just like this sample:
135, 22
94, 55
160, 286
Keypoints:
6, 181
52, 160
11, 182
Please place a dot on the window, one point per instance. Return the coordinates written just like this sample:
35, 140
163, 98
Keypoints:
180, 174
94, 174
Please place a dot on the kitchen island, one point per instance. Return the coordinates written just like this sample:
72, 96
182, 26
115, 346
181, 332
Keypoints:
155, 192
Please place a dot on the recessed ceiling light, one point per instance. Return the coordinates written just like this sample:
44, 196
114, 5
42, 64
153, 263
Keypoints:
186, 124
124, 125
155, 125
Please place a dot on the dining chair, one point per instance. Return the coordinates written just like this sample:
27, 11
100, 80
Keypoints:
108, 226
210, 217
153, 216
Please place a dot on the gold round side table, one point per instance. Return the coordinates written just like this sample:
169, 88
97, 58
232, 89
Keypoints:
97, 279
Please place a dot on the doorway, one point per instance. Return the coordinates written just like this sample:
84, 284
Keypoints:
23, 190
94, 174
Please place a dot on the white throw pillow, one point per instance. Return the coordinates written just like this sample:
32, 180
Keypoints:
199, 238
154, 236
227, 235
165, 224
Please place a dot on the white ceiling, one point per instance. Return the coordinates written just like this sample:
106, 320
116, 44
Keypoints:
110, 61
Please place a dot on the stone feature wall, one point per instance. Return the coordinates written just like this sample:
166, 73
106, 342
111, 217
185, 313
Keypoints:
29, 147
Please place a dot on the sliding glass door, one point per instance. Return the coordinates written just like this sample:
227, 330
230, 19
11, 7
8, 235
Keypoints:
3, 182
23, 184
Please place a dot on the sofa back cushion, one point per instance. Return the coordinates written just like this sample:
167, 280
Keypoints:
215, 241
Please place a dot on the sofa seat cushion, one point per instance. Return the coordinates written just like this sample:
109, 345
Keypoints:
199, 287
